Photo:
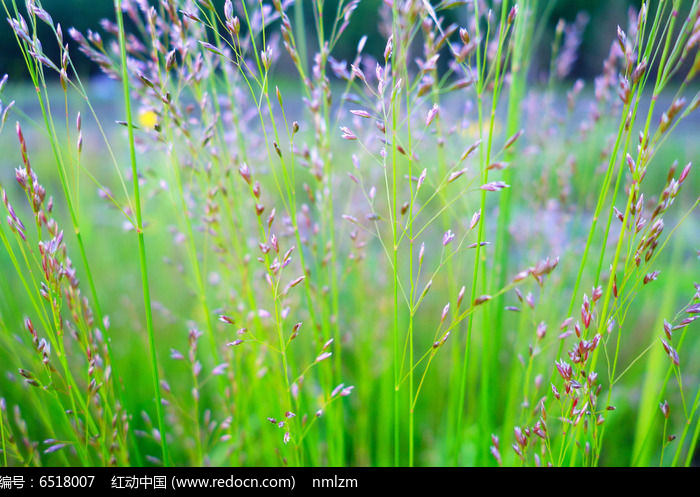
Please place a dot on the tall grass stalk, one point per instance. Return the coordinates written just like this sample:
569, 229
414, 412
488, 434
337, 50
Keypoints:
143, 263
36, 73
664, 69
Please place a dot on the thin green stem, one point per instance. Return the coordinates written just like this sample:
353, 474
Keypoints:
141, 241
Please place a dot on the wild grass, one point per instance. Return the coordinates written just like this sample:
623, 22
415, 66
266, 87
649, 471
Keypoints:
423, 256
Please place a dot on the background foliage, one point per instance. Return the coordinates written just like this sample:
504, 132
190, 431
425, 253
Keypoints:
86, 14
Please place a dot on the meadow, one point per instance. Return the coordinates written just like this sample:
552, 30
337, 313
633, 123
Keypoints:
234, 249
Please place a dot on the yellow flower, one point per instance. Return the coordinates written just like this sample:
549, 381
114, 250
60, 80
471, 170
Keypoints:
148, 119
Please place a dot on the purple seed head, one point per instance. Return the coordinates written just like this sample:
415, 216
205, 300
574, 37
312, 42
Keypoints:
447, 238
